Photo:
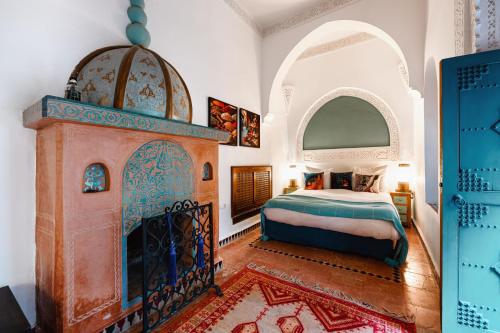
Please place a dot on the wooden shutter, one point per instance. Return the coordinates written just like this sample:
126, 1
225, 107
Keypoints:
251, 187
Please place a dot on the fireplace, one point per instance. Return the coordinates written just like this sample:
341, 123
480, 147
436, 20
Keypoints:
99, 172
134, 264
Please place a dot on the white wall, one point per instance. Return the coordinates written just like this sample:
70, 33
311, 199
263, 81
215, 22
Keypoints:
214, 50
440, 44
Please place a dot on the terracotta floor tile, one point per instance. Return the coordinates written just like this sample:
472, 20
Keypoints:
417, 294
414, 279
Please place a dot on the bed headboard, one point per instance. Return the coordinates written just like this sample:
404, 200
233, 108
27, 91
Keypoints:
251, 187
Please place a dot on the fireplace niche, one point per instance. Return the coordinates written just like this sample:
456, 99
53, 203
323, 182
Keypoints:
86, 242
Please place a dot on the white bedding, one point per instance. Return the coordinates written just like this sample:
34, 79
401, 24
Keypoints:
377, 229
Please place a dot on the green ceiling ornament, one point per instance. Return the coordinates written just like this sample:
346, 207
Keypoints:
136, 31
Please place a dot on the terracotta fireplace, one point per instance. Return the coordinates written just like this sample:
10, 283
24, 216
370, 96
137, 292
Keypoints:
86, 217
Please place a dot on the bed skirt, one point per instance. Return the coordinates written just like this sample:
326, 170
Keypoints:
332, 240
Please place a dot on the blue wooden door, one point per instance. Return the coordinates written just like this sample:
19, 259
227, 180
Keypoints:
471, 193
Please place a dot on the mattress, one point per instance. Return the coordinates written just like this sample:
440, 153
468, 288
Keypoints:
378, 229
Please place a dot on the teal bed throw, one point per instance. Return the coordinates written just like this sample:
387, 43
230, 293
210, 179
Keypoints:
336, 208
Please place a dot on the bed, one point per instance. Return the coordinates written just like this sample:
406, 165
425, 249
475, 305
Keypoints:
337, 219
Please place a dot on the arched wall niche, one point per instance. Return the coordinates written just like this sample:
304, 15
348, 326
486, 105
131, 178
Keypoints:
390, 152
346, 122
276, 104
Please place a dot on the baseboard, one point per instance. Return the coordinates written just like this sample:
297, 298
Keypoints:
427, 251
239, 234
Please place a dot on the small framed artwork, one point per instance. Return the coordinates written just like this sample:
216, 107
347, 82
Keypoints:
224, 117
249, 129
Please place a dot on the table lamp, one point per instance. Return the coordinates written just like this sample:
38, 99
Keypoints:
404, 172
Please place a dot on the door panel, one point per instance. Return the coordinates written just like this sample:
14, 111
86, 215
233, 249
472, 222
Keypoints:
471, 193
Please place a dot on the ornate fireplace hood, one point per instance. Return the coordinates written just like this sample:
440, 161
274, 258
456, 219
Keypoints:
55, 109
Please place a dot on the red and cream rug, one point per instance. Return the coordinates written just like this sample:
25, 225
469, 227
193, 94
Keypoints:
255, 301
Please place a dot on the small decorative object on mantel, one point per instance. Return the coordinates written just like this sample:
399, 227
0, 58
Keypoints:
71, 92
249, 129
224, 117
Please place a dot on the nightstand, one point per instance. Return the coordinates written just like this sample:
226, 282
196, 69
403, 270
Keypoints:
402, 201
288, 190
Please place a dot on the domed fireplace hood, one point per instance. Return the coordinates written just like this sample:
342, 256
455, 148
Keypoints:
132, 77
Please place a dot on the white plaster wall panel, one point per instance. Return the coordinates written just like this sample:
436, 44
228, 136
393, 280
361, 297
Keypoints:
402, 20
440, 44
215, 51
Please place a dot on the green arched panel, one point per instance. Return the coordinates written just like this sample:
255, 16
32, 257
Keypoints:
346, 122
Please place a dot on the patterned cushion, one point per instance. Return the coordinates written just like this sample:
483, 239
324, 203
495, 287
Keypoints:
379, 170
313, 181
365, 183
341, 180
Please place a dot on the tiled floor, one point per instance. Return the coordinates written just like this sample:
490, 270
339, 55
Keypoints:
418, 293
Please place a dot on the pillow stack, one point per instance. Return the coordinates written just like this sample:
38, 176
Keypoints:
370, 179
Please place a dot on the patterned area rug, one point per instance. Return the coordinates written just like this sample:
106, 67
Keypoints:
336, 260
255, 301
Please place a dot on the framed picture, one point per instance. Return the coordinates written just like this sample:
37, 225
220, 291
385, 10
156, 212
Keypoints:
249, 129
224, 117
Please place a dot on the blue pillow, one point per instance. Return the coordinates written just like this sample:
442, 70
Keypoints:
313, 181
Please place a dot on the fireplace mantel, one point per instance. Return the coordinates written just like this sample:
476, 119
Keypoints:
81, 236
51, 109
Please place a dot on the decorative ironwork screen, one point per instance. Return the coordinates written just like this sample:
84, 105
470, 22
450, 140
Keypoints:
178, 260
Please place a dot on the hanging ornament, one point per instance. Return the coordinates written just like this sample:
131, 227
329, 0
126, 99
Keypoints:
200, 244
172, 257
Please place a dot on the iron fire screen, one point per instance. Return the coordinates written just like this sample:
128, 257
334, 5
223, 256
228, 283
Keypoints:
178, 260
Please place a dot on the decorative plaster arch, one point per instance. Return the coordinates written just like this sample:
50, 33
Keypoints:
370, 153
275, 95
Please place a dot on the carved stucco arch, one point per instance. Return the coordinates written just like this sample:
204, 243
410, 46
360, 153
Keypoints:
369, 153
276, 84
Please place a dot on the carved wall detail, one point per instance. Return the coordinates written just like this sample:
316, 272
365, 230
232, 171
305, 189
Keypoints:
245, 16
470, 317
459, 26
470, 182
336, 45
471, 213
468, 77
372, 153
323, 8
288, 91
465, 27
403, 71
492, 24
156, 175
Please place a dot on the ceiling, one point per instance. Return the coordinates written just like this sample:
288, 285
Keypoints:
266, 13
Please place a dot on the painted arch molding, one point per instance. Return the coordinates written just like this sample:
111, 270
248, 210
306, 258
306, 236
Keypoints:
369, 153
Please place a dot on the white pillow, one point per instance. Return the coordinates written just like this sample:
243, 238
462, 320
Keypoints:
380, 170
